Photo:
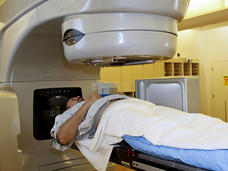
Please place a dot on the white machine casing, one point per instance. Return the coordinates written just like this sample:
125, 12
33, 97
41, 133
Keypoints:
121, 38
34, 55
180, 93
129, 32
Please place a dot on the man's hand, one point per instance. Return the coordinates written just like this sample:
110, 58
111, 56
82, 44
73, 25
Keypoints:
92, 98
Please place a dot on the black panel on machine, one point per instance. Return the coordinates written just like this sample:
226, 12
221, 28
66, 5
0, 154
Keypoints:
47, 104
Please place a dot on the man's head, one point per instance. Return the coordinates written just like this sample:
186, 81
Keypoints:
73, 101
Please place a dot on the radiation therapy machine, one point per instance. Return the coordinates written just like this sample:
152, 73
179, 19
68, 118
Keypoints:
51, 50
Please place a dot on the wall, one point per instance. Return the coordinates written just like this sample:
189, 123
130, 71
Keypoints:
10, 8
208, 44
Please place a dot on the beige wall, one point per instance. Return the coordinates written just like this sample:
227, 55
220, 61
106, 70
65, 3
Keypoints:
208, 44
10, 8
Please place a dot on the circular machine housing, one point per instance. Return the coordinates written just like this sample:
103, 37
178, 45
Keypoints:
121, 38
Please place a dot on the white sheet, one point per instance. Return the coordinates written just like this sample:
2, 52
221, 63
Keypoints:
159, 125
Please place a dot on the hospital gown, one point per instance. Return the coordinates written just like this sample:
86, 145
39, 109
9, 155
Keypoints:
87, 128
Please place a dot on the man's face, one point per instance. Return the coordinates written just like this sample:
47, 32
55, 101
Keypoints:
73, 101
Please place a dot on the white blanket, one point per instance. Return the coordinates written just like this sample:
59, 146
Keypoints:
159, 125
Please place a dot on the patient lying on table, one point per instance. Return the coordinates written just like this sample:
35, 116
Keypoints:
119, 115
68, 130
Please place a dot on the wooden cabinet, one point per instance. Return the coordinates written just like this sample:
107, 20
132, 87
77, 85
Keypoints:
159, 69
111, 74
137, 74
125, 76
148, 71
181, 67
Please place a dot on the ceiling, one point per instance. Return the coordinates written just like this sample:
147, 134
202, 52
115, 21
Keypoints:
200, 7
204, 12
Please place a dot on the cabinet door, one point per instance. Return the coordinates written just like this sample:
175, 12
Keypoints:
126, 78
159, 70
219, 90
110, 74
137, 72
148, 71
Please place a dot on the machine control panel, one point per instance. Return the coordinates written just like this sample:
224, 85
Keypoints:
47, 104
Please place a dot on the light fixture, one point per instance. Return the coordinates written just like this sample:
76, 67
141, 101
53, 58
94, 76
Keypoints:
199, 7
2, 1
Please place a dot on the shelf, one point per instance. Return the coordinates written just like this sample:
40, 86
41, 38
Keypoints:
168, 69
195, 69
178, 69
181, 67
187, 69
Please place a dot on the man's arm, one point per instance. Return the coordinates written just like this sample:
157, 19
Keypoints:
67, 131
